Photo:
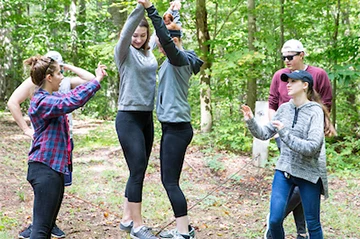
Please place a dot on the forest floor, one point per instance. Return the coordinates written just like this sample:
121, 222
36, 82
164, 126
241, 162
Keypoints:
228, 197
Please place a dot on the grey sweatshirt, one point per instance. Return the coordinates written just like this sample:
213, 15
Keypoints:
137, 70
174, 74
303, 150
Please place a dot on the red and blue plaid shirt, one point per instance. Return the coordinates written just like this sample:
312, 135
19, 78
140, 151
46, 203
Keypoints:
48, 116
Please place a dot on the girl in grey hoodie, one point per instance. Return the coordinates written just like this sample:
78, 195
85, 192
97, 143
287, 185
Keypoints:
301, 124
173, 112
134, 121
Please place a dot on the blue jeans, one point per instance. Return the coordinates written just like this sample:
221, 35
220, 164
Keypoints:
282, 189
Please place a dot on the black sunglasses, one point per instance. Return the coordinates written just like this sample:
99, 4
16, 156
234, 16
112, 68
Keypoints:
291, 57
51, 61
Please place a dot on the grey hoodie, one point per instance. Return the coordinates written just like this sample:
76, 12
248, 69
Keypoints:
174, 74
137, 70
303, 150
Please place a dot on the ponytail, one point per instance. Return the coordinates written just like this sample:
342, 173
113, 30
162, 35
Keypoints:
40, 66
329, 128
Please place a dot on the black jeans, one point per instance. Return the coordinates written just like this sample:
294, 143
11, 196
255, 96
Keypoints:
48, 187
174, 141
135, 130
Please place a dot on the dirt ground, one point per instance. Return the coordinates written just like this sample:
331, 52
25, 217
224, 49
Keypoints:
219, 207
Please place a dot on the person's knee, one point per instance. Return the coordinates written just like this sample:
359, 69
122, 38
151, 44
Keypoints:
313, 224
170, 186
275, 220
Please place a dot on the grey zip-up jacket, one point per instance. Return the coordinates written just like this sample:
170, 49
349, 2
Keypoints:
172, 105
137, 70
303, 142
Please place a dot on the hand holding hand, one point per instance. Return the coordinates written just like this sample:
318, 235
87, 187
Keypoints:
100, 72
277, 124
248, 114
29, 132
175, 5
145, 3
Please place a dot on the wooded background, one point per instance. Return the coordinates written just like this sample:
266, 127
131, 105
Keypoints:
239, 41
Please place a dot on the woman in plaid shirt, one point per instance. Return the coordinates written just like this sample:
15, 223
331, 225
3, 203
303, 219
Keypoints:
50, 151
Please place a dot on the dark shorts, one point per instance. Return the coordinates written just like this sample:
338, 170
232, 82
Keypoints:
68, 177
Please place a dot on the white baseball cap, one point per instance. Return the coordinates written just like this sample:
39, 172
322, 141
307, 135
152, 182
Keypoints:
56, 56
293, 45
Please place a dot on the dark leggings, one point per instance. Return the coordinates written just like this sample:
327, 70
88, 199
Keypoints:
174, 141
135, 130
48, 187
294, 205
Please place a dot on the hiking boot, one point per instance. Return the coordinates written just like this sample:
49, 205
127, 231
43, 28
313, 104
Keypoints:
57, 232
26, 232
143, 233
126, 228
172, 233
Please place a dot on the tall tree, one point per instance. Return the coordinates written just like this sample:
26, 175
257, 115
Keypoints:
203, 38
74, 35
251, 82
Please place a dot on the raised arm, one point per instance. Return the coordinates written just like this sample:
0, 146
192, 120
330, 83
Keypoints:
82, 75
175, 56
24, 91
132, 22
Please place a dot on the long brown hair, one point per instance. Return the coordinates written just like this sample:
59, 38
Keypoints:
329, 128
145, 23
40, 66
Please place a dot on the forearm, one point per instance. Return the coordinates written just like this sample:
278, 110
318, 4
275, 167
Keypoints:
122, 46
81, 73
17, 115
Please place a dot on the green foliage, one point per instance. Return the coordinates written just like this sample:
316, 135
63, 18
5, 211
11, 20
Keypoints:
215, 164
342, 153
6, 222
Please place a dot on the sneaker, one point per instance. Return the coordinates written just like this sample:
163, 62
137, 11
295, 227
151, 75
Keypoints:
172, 233
143, 233
57, 232
126, 228
180, 236
26, 232
301, 237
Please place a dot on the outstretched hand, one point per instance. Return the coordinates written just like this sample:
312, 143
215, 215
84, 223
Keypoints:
175, 5
145, 3
248, 114
100, 72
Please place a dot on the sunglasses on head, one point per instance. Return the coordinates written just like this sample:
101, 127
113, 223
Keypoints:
290, 57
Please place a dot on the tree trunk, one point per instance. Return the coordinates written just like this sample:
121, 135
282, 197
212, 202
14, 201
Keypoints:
203, 37
282, 41
251, 82
334, 86
74, 36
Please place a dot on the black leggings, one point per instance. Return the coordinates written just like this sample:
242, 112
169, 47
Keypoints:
48, 187
174, 141
135, 130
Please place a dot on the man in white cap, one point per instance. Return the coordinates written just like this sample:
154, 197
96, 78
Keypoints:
293, 54
26, 90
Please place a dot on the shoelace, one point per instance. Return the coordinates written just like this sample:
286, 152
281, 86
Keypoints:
147, 231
